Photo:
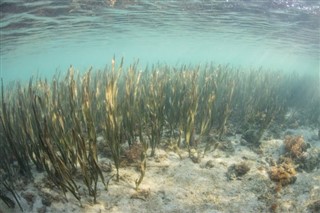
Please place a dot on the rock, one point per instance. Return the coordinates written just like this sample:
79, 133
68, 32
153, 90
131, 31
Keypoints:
29, 196
310, 160
226, 146
314, 206
42, 209
209, 164
251, 136
46, 201
194, 155
314, 137
235, 171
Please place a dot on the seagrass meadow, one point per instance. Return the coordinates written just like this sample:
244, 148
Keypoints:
61, 127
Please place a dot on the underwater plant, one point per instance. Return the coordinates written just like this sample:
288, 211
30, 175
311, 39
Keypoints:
174, 96
295, 146
87, 157
154, 94
143, 158
114, 131
9, 130
54, 124
283, 173
225, 82
55, 166
207, 98
130, 103
6, 199
260, 103
188, 106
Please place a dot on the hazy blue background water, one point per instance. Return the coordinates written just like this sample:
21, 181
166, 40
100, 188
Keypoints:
45, 36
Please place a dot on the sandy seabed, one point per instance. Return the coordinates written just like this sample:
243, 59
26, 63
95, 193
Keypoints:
174, 183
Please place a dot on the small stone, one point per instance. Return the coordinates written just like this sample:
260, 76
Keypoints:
209, 164
243, 142
42, 209
46, 201
29, 196
227, 147
251, 136
310, 160
195, 157
314, 206
235, 171
313, 137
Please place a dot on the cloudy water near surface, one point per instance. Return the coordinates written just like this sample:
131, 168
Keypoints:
40, 37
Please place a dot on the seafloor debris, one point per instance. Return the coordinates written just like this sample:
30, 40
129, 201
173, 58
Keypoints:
235, 171
283, 173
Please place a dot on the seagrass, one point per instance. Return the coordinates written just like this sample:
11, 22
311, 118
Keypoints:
54, 123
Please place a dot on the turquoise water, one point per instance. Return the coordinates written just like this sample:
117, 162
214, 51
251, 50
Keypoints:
41, 37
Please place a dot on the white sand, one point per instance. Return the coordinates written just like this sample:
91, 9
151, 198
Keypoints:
172, 184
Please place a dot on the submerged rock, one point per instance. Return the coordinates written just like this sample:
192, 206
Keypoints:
194, 155
310, 160
314, 206
251, 136
226, 146
235, 171
209, 164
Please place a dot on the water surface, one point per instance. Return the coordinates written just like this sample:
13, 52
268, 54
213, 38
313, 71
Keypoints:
45, 36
